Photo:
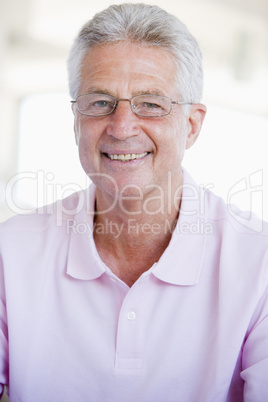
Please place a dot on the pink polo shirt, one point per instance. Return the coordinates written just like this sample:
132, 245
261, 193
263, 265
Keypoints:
192, 328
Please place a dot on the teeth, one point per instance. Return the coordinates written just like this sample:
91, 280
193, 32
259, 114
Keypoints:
126, 157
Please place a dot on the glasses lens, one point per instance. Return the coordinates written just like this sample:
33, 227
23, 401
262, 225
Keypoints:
151, 105
96, 104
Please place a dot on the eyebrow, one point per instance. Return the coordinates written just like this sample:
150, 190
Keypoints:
150, 92
95, 90
103, 91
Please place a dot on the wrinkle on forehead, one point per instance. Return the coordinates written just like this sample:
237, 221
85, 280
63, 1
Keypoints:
152, 67
103, 91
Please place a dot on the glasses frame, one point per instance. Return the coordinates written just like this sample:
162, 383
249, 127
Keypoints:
172, 102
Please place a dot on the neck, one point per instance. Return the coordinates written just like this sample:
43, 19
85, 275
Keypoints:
132, 236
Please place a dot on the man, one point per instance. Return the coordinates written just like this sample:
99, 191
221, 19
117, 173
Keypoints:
143, 287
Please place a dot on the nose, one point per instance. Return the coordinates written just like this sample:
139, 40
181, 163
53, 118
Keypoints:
123, 121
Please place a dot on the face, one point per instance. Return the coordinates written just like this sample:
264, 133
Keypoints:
125, 70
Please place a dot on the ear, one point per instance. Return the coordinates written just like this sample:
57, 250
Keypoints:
195, 121
74, 110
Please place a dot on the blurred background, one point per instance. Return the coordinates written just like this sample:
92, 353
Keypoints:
38, 156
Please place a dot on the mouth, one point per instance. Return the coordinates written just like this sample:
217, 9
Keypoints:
126, 157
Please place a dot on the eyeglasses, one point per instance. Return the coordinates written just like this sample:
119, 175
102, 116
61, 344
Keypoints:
142, 105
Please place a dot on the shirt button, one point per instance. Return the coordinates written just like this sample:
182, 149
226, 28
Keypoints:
131, 315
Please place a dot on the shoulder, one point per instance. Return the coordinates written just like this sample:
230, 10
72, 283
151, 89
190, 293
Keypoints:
238, 239
241, 241
34, 242
200, 201
231, 218
42, 220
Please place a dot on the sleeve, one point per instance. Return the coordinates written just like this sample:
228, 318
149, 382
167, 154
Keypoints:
3, 334
255, 356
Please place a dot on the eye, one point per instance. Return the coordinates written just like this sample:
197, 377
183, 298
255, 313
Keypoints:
101, 104
150, 105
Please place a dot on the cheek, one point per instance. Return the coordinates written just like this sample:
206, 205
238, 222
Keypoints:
86, 151
85, 145
84, 136
82, 126
172, 139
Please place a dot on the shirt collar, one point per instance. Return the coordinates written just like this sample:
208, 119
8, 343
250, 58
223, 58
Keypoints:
182, 261
180, 264
83, 260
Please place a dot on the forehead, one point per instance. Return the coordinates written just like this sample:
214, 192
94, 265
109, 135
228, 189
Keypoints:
128, 68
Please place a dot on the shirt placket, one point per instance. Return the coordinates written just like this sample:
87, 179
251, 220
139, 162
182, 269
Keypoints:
130, 339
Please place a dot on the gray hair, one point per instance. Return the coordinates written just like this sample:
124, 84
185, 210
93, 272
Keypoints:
146, 25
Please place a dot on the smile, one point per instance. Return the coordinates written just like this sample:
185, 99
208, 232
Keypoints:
126, 157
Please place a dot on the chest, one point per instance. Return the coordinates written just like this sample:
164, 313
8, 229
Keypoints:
155, 337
